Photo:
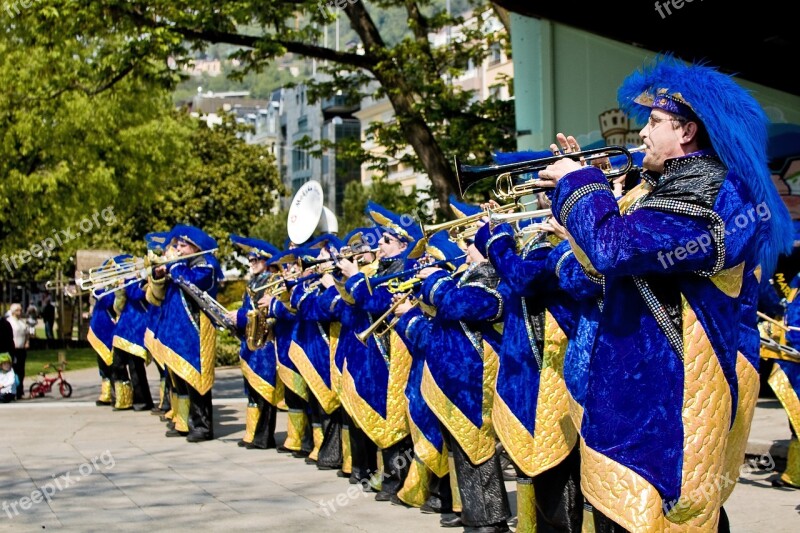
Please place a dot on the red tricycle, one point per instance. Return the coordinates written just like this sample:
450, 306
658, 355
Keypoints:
44, 384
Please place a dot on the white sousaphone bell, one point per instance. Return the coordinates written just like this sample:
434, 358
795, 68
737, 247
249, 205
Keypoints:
307, 214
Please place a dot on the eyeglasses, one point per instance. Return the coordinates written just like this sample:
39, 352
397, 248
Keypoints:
654, 121
253, 260
387, 239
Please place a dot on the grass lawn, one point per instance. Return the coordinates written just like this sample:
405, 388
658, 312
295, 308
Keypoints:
76, 359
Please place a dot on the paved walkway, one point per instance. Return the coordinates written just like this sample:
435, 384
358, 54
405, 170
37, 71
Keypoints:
90, 469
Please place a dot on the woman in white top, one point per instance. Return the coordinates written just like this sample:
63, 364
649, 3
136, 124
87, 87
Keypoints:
21, 343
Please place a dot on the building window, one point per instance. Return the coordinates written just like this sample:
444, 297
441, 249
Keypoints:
495, 54
302, 123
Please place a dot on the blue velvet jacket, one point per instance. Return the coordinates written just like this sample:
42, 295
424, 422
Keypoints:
785, 377
374, 379
285, 319
310, 348
101, 327
415, 330
461, 365
531, 405
345, 322
259, 367
663, 363
132, 322
186, 338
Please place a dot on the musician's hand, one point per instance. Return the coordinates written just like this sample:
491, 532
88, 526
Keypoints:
552, 173
404, 307
348, 268
265, 300
160, 271
559, 230
543, 201
491, 204
231, 316
327, 280
427, 271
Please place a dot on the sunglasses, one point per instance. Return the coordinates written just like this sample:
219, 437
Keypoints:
388, 240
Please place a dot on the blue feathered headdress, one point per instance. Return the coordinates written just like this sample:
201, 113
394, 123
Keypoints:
736, 124
254, 247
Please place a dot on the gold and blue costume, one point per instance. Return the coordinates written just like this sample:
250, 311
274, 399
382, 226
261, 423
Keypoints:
531, 404
129, 344
259, 367
458, 381
662, 386
186, 339
785, 381
101, 338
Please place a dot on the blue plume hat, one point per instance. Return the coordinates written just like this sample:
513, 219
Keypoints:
363, 237
157, 240
403, 227
254, 247
440, 247
736, 125
324, 241
194, 235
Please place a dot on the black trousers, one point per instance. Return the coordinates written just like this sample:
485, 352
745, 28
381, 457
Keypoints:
104, 369
364, 453
396, 464
441, 497
330, 454
559, 500
484, 500
141, 388
166, 401
119, 365
264, 433
18, 358
201, 422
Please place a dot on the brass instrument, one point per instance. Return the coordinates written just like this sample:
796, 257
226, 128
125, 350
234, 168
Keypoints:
506, 189
364, 336
130, 271
259, 329
459, 227
349, 255
496, 218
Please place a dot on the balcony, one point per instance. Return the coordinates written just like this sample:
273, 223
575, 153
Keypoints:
338, 105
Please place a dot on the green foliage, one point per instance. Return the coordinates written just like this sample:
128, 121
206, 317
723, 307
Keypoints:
228, 348
389, 195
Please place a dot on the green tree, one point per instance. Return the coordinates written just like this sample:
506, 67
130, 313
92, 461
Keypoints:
433, 115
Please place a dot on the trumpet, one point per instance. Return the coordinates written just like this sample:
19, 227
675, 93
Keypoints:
496, 218
349, 255
506, 189
373, 329
457, 224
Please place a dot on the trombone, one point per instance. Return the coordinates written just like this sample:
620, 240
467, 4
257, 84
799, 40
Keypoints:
506, 189
374, 328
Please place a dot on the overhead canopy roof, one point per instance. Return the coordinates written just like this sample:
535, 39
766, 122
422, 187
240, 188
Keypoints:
761, 45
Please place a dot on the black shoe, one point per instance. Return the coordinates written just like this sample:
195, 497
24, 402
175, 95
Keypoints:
299, 454
242, 443
434, 506
157, 411
450, 520
310, 461
781, 484
340, 473
383, 496
395, 499
122, 408
326, 467
99, 403
142, 407
199, 437
176, 433
252, 446
284, 449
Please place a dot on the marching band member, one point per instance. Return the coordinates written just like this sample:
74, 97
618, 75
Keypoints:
430, 449
101, 338
158, 241
374, 380
458, 382
531, 406
671, 306
359, 453
130, 355
296, 393
785, 381
310, 352
259, 367
186, 339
